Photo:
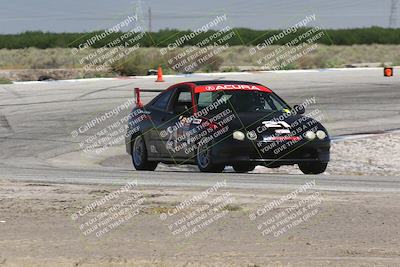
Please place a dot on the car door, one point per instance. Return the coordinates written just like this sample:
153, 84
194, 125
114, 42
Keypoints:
178, 125
160, 116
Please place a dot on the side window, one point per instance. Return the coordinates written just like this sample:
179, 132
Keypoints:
162, 102
184, 96
182, 101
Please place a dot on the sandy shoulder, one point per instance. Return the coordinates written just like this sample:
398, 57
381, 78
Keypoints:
350, 229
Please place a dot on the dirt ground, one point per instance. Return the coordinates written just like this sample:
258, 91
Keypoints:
38, 228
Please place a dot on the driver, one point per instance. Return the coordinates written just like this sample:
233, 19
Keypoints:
245, 101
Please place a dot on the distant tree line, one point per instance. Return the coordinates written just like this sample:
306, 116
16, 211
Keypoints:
162, 38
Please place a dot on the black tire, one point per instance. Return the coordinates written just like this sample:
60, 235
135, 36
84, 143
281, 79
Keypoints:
272, 165
243, 167
204, 159
139, 156
313, 167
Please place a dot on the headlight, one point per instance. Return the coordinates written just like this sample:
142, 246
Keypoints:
238, 135
321, 134
310, 135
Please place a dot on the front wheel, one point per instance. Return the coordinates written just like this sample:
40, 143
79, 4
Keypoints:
204, 159
139, 156
313, 167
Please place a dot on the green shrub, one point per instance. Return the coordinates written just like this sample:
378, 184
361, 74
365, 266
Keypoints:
38, 39
5, 81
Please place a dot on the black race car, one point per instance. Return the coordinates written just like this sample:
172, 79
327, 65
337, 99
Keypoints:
218, 123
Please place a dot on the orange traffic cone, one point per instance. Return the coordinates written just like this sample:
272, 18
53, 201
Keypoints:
159, 74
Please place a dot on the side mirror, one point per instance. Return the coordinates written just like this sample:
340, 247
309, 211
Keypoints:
299, 109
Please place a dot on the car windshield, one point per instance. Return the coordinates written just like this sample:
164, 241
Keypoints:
242, 101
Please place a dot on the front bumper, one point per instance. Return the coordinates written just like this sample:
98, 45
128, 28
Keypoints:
271, 152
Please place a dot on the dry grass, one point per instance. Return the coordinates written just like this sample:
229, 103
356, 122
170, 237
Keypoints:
323, 57
139, 61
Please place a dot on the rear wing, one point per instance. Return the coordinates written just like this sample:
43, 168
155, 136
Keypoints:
138, 102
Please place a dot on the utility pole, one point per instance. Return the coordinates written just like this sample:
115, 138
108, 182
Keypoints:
149, 19
139, 14
393, 14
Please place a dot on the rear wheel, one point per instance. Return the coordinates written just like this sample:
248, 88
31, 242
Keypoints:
243, 167
139, 156
204, 159
313, 167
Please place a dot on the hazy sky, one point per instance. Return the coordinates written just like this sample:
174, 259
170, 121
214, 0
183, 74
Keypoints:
86, 15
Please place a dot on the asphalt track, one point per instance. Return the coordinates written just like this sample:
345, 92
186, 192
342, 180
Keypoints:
36, 121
